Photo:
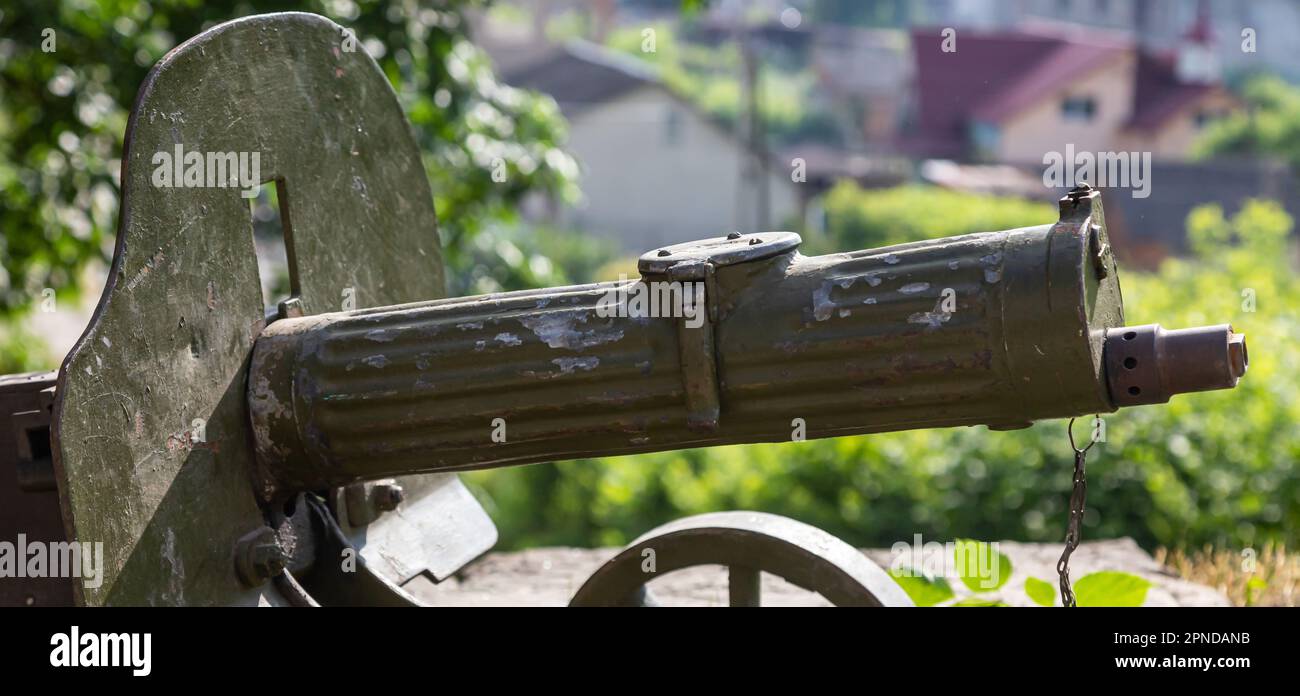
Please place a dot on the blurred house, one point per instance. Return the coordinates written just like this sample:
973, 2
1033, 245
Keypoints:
1147, 230
865, 74
1012, 96
1143, 230
1157, 25
655, 170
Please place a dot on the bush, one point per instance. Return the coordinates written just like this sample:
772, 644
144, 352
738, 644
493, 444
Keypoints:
864, 219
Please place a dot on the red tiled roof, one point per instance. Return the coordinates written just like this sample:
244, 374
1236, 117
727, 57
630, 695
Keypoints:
1160, 94
994, 76
1050, 74
950, 86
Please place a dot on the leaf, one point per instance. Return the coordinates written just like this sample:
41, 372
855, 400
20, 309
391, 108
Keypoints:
1111, 588
1254, 586
980, 566
925, 591
977, 602
1041, 591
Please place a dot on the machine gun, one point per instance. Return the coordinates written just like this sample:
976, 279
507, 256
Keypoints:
223, 456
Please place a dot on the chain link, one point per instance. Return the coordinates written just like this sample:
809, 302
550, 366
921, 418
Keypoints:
1078, 500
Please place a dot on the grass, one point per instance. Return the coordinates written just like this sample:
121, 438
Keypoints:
1251, 578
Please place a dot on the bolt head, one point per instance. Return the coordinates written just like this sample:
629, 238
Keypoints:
388, 496
260, 557
267, 560
1238, 359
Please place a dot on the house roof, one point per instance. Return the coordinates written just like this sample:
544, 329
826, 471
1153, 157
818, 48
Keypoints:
1160, 94
995, 76
1044, 77
950, 86
578, 75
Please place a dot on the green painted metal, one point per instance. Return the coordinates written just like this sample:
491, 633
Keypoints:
170, 340
1001, 328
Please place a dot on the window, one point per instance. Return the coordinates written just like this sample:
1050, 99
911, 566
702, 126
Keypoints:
985, 138
1079, 108
1205, 117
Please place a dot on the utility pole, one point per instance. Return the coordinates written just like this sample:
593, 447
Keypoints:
754, 166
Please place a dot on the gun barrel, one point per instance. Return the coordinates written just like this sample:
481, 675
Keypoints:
725, 341
1149, 364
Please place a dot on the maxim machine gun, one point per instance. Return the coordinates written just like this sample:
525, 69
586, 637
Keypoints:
221, 456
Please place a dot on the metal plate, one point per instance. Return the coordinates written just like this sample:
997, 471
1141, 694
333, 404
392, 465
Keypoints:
170, 339
437, 529
719, 251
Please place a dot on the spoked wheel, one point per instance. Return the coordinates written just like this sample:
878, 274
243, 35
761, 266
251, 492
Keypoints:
748, 544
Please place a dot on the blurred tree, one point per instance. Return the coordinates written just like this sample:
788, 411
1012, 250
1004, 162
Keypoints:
69, 71
872, 13
1270, 124
865, 219
708, 77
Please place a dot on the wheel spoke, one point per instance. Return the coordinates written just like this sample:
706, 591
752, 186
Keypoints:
744, 586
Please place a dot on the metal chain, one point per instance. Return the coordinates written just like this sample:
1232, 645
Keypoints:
1078, 499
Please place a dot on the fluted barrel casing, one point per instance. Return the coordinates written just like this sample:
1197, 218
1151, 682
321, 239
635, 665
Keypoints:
998, 328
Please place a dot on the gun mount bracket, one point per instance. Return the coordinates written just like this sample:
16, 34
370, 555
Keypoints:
719, 251
694, 264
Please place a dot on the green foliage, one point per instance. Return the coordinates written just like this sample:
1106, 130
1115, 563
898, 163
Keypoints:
20, 351
1041, 592
984, 571
1210, 468
865, 219
63, 115
517, 257
925, 591
709, 77
1254, 587
892, 13
980, 566
978, 602
1270, 124
1111, 589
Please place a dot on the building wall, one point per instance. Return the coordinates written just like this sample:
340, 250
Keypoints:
655, 172
1160, 24
1043, 128
1174, 139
